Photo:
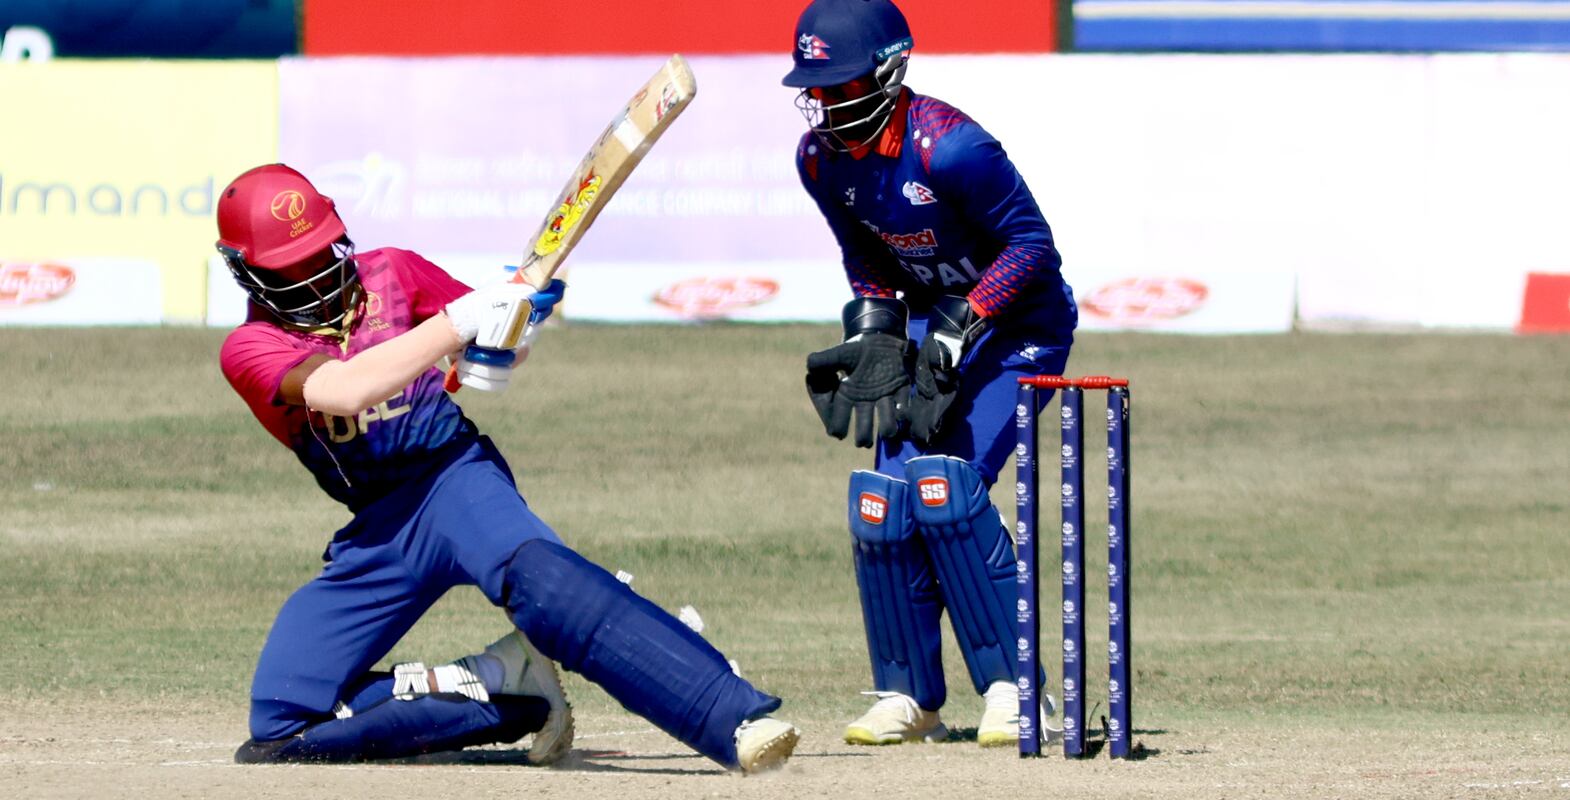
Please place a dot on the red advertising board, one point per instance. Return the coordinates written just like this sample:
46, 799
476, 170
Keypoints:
530, 27
1545, 307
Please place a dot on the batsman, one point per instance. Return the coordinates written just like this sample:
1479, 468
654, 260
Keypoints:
957, 293
337, 361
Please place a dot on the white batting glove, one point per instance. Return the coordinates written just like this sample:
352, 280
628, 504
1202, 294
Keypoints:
494, 316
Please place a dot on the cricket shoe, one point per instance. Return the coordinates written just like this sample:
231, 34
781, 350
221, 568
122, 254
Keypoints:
999, 725
529, 672
764, 743
895, 719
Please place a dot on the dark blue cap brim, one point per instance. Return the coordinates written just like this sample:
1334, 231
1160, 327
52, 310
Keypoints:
805, 77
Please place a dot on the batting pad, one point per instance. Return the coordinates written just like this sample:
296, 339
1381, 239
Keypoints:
397, 728
900, 604
974, 559
581, 617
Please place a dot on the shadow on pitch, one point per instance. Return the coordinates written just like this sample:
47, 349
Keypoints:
1096, 742
603, 761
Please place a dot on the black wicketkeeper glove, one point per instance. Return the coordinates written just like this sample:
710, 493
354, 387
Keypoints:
952, 329
869, 373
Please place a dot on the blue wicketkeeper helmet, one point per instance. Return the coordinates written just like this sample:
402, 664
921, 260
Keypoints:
840, 40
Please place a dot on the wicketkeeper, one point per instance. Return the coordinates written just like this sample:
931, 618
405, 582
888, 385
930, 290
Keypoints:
957, 294
337, 363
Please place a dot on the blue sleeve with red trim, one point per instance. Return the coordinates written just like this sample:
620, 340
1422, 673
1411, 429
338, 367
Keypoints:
971, 165
868, 263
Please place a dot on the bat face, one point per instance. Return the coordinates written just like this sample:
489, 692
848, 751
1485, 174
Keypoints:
614, 155
568, 215
609, 161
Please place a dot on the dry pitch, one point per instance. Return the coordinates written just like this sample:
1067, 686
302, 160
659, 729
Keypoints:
1351, 570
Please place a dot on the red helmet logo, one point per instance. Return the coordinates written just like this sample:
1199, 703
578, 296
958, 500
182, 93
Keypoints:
288, 205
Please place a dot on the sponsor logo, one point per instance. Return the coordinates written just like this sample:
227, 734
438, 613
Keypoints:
917, 194
895, 47
567, 215
850, 196
812, 48
1068, 568
25, 283
43, 197
1146, 300
924, 243
933, 491
1068, 606
1021, 605
287, 205
1068, 529
707, 298
873, 509
668, 98
1022, 644
1068, 686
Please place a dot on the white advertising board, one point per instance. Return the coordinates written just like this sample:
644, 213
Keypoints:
80, 291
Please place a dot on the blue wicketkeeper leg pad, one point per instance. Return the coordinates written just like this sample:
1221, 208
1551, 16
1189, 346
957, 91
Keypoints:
398, 728
974, 559
899, 599
580, 616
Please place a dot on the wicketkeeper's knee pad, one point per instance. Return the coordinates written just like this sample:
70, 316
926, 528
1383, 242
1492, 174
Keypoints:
899, 599
974, 559
580, 616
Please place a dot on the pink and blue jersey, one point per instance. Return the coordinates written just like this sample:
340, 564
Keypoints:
357, 459
937, 208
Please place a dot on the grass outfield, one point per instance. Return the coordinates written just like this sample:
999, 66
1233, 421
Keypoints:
1331, 531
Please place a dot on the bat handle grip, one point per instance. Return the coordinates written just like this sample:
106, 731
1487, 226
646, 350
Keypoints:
476, 354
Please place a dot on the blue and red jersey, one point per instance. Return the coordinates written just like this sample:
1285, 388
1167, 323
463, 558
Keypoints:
936, 207
356, 459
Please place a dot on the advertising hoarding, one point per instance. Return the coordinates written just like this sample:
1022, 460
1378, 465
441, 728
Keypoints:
124, 160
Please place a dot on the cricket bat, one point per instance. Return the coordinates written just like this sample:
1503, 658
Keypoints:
614, 155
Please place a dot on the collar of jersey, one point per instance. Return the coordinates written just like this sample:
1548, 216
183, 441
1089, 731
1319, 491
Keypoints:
893, 135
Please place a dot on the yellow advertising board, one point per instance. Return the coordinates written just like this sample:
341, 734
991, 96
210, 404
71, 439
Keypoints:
125, 159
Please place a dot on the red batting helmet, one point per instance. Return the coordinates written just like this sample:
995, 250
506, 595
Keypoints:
271, 219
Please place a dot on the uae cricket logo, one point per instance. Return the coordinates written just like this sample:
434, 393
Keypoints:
812, 48
567, 215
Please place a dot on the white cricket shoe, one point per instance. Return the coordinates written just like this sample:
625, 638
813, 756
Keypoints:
999, 725
895, 719
529, 672
764, 743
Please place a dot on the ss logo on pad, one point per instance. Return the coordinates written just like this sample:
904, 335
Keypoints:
934, 491
874, 509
